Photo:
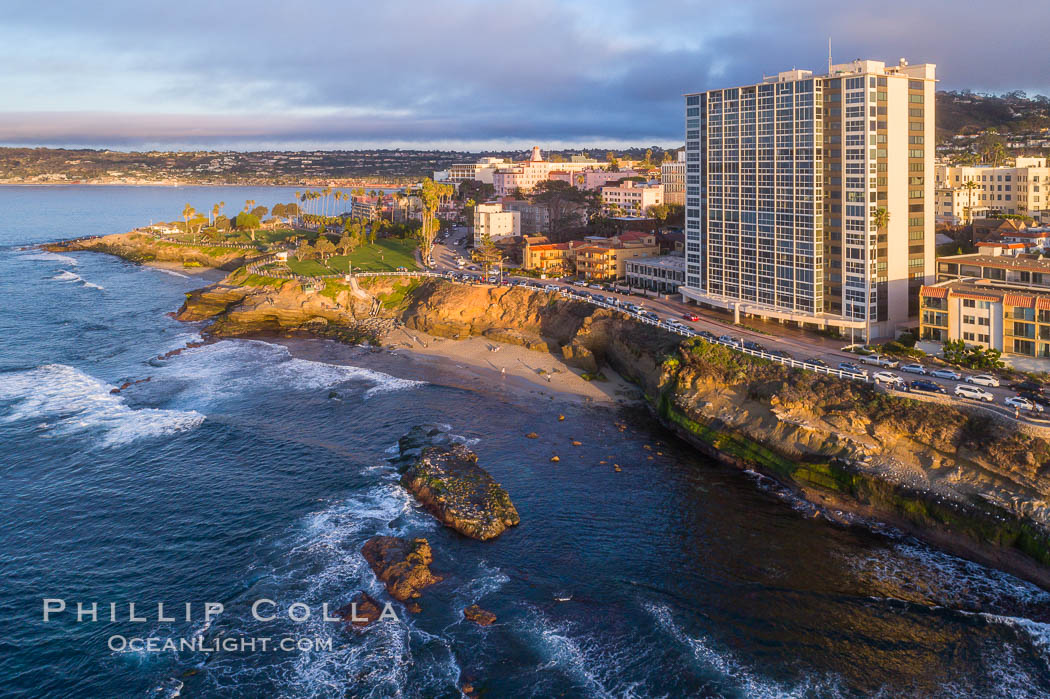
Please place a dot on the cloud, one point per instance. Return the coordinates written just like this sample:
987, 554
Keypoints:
466, 71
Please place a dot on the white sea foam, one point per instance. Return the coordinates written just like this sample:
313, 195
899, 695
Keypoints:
73, 402
229, 368
50, 257
322, 564
910, 570
67, 276
169, 271
736, 673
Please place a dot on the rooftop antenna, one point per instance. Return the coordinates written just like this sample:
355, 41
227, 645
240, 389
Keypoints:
829, 55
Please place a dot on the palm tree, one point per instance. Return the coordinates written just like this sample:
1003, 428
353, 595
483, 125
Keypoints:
969, 186
881, 218
188, 212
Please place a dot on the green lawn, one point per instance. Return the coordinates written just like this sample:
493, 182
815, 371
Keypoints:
386, 255
307, 268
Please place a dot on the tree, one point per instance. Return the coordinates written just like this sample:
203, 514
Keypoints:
305, 251
614, 163
487, 254
188, 212
222, 224
346, 244
562, 201
324, 247
215, 210
430, 194
659, 211
247, 222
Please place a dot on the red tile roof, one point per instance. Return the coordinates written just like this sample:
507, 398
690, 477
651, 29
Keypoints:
1018, 300
934, 292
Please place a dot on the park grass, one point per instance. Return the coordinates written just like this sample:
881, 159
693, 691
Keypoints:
245, 278
307, 268
385, 255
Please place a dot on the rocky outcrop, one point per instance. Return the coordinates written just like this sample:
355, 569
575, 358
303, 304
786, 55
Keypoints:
446, 479
402, 565
362, 610
948, 473
481, 617
142, 248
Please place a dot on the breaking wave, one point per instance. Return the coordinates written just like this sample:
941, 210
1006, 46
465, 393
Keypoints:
71, 401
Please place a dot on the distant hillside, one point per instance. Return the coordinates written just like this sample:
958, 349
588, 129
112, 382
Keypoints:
970, 113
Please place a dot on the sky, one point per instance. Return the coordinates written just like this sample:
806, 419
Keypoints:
455, 74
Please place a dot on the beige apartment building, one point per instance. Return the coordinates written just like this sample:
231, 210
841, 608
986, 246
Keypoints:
672, 177
491, 220
631, 198
965, 192
787, 181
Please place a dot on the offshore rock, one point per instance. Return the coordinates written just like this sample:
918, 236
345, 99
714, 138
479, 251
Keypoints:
447, 481
402, 565
362, 610
481, 617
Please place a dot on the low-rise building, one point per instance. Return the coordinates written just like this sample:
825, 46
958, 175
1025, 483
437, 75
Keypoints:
605, 259
663, 274
631, 198
1027, 270
591, 179
1017, 189
491, 220
552, 259
535, 218
1011, 319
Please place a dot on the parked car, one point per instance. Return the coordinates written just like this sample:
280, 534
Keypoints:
779, 353
817, 362
888, 378
946, 374
974, 392
851, 368
1027, 386
881, 360
753, 346
1037, 398
729, 340
691, 316
983, 380
914, 369
706, 335
927, 386
1023, 404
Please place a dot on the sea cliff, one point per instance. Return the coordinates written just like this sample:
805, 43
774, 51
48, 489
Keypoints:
956, 476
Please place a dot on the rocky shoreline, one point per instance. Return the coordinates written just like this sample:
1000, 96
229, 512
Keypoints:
962, 480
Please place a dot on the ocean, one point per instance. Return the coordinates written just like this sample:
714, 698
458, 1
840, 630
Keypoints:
247, 469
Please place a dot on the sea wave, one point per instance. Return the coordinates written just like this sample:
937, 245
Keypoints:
73, 402
320, 562
50, 257
67, 276
169, 272
912, 571
735, 673
228, 368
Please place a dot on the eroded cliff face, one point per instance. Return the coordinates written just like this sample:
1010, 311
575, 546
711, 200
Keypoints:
943, 471
138, 247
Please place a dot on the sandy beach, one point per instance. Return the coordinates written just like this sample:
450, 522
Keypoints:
513, 368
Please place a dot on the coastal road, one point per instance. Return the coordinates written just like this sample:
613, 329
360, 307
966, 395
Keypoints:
797, 343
